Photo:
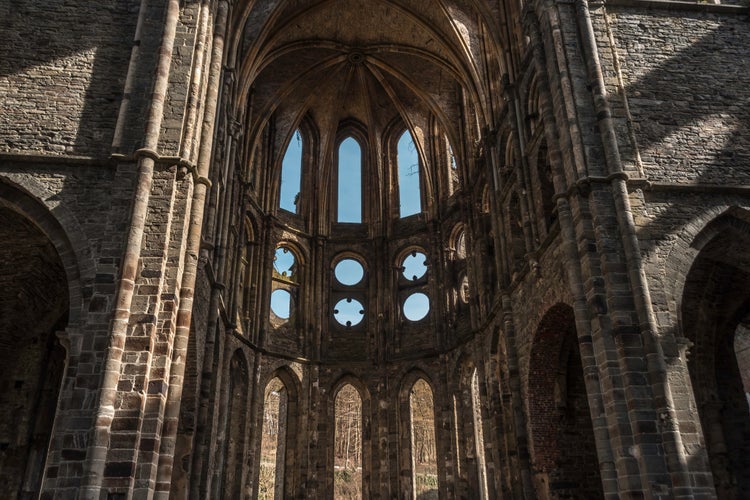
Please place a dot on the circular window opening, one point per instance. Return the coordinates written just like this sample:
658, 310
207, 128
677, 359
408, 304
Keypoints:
416, 306
349, 312
281, 301
349, 272
283, 262
414, 265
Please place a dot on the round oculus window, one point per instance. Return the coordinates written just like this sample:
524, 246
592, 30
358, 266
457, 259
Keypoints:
414, 265
416, 306
349, 272
348, 312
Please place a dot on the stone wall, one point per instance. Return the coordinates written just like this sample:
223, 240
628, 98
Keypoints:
62, 73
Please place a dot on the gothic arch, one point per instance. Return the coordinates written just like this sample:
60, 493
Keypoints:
288, 445
715, 306
26, 196
407, 486
362, 390
468, 401
563, 449
40, 297
234, 468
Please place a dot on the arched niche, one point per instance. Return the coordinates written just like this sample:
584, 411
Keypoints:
419, 439
563, 447
234, 473
715, 310
276, 465
350, 442
35, 309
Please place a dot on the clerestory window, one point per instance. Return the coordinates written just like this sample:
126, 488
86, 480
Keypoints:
409, 190
413, 284
349, 199
291, 174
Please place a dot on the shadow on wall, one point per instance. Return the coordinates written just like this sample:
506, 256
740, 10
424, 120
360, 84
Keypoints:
34, 306
716, 303
62, 73
691, 111
692, 123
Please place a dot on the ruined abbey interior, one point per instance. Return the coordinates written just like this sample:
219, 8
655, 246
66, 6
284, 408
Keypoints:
391, 249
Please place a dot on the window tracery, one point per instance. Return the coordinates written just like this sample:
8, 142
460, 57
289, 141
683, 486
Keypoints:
285, 285
415, 302
349, 290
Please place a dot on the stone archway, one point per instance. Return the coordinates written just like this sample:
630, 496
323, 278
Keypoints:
715, 310
563, 447
34, 305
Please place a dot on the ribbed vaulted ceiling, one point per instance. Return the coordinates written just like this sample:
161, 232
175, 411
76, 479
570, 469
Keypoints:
370, 61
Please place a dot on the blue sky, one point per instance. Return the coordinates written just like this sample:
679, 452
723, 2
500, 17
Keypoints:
350, 182
291, 173
408, 176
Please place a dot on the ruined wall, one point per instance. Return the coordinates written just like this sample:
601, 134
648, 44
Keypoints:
62, 73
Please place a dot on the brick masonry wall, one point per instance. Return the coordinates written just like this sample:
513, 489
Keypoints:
62, 71
83, 209
686, 78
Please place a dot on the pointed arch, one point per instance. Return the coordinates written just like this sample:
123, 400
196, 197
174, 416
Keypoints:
715, 316
418, 435
239, 381
562, 441
276, 473
350, 442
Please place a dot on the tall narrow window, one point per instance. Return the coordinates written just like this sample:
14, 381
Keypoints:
423, 449
479, 434
291, 174
350, 181
410, 199
347, 464
273, 442
453, 171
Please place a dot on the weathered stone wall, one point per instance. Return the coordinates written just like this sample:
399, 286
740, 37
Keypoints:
76, 84
62, 73
686, 78
82, 209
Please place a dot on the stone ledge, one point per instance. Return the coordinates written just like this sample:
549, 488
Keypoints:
56, 159
676, 5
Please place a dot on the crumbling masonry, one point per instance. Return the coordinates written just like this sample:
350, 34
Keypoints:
173, 313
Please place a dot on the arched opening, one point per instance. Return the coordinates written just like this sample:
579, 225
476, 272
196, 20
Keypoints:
291, 174
476, 410
238, 392
275, 468
273, 441
349, 181
423, 446
34, 306
564, 459
348, 444
470, 433
409, 190
285, 281
715, 315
